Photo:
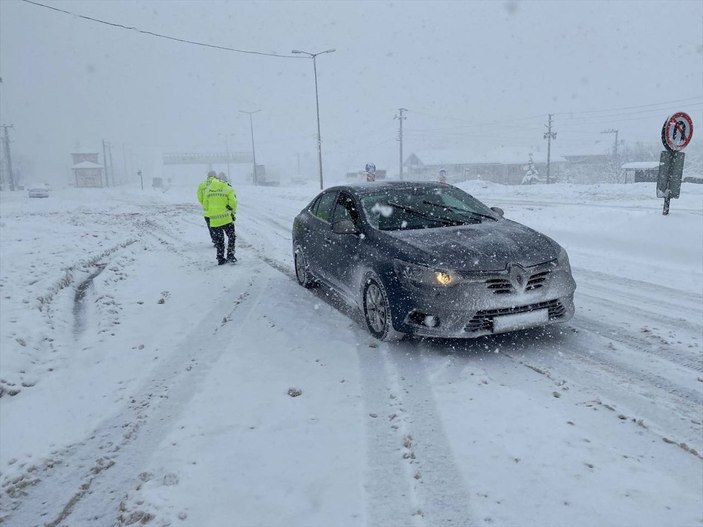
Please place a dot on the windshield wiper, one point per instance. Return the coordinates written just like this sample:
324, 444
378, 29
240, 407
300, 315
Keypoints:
457, 209
446, 221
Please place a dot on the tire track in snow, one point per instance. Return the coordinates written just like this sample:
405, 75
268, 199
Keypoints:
412, 478
391, 499
85, 484
645, 292
663, 350
576, 357
439, 485
628, 373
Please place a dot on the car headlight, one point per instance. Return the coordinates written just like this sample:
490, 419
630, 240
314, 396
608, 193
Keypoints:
421, 275
563, 261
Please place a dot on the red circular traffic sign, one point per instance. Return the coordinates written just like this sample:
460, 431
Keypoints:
677, 131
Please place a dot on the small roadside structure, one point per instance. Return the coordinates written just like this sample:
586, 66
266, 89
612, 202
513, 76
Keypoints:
641, 171
87, 171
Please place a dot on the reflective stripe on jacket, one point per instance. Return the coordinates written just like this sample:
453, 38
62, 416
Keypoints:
218, 196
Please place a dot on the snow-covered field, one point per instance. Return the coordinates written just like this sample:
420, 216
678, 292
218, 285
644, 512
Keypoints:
140, 383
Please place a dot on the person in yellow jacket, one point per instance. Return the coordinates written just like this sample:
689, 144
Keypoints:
220, 204
201, 195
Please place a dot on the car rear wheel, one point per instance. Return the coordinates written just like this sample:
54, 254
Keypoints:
377, 311
302, 269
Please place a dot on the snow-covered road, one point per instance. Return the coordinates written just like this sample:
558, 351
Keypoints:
142, 384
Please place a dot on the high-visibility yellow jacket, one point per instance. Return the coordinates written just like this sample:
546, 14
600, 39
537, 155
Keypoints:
201, 191
220, 203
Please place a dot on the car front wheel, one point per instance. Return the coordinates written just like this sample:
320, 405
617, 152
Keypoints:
377, 311
302, 269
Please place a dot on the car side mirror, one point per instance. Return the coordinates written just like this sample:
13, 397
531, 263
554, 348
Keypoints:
498, 211
344, 227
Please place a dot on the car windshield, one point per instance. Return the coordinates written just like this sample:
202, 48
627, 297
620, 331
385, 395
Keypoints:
424, 208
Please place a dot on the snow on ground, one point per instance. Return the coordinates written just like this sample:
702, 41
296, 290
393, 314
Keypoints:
143, 384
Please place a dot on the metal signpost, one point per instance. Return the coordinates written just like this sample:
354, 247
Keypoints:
370, 170
676, 135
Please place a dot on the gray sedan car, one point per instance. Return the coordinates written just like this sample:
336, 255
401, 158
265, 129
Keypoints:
431, 260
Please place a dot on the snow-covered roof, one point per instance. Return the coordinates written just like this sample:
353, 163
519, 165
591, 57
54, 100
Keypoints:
507, 155
87, 164
641, 165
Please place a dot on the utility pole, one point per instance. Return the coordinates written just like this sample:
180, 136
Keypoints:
615, 149
107, 183
8, 159
112, 167
549, 135
253, 150
401, 118
124, 163
616, 161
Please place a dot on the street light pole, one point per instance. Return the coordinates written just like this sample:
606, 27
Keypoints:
317, 106
253, 150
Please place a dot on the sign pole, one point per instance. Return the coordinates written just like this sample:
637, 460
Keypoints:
676, 135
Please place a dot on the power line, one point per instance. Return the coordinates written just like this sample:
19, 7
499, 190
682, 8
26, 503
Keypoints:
566, 114
474, 123
651, 111
159, 35
633, 107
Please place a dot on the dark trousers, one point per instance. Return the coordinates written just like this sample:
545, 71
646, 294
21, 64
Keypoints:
212, 236
219, 234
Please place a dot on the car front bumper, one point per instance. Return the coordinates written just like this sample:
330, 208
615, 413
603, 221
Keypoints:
484, 305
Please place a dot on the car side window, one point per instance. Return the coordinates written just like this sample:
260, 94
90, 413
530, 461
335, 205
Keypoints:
345, 209
325, 205
313, 206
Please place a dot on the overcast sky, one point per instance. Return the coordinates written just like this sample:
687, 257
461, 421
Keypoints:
473, 76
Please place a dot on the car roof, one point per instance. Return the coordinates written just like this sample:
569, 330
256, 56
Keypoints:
373, 187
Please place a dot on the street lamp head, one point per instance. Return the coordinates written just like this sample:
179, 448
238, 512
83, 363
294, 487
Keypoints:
313, 55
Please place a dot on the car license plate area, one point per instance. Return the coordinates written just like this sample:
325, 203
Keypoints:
505, 323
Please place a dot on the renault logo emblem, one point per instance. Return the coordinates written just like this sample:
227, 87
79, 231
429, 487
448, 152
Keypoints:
518, 277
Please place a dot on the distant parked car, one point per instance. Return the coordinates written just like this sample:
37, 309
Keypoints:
429, 259
38, 191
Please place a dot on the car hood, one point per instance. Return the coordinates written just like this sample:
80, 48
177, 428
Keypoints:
488, 246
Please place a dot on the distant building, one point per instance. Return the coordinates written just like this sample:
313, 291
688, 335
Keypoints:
504, 165
641, 171
87, 171
508, 165
591, 163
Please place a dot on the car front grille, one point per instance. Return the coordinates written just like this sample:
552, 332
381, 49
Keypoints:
502, 286
483, 320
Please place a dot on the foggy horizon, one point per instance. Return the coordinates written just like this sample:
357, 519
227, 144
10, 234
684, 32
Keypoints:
474, 76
